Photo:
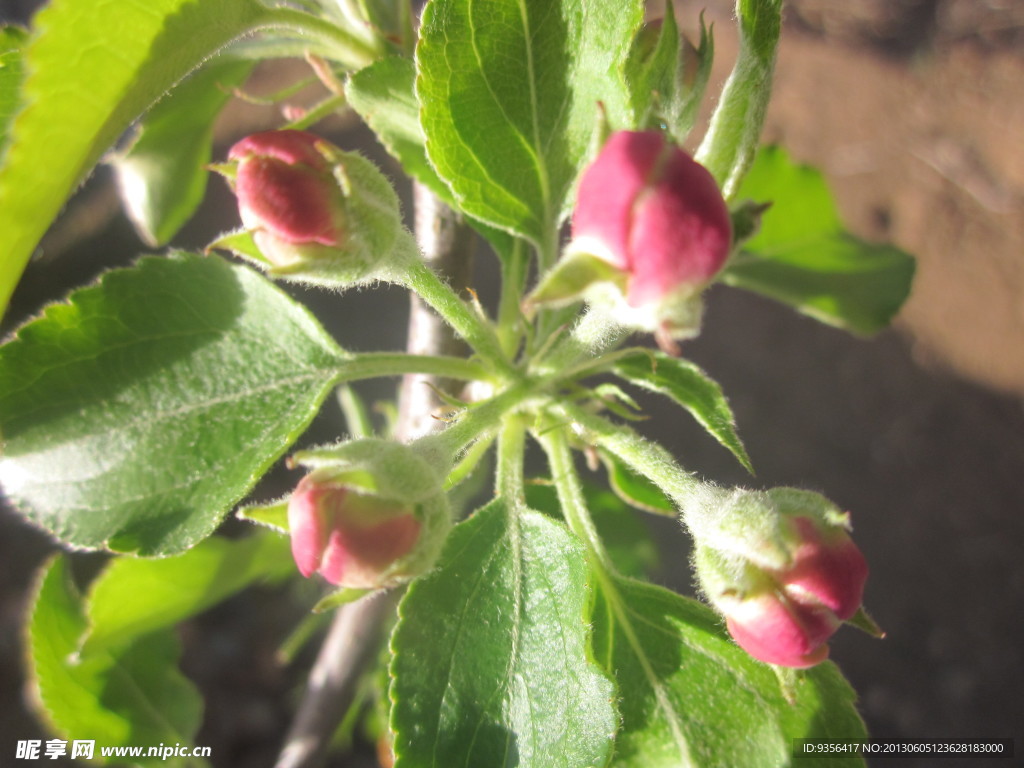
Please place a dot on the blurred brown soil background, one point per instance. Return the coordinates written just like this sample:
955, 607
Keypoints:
914, 110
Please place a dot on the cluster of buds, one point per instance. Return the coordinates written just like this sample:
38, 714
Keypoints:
649, 232
783, 571
370, 515
312, 212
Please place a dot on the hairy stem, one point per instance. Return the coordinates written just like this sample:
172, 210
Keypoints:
464, 319
509, 482
692, 496
731, 140
513, 279
370, 365
350, 50
570, 495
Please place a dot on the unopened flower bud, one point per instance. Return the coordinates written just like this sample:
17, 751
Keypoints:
370, 515
650, 221
288, 197
352, 539
784, 598
313, 213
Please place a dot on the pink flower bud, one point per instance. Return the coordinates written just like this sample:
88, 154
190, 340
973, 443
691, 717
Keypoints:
352, 539
785, 616
288, 196
648, 209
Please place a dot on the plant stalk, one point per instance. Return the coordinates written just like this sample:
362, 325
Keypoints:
370, 365
570, 495
354, 52
692, 496
509, 482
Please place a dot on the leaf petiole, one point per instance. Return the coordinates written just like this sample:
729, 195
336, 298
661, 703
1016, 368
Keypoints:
509, 481
470, 325
510, 316
571, 499
690, 495
370, 365
346, 47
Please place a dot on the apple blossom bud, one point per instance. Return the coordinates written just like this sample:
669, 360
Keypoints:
352, 539
784, 596
371, 514
288, 196
651, 223
649, 209
313, 213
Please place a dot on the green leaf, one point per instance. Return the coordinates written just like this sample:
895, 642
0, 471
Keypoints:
667, 76
490, 655
624, 535
391, 19
130, 696
12, 70
635, 489
735, 130
509, 92
137, 413
690, 697
802, 257
273, 515
572, 275
133, 597
340, 597
690, 387
162, 176
93, 68
384, 96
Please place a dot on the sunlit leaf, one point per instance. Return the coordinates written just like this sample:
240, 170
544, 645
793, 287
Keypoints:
802, 256
690, 387
509, 93
132, 695
136, 414
12, 70
93, 66
384, 96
